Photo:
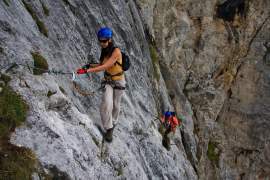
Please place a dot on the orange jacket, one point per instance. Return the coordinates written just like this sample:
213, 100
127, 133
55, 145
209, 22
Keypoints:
172, 122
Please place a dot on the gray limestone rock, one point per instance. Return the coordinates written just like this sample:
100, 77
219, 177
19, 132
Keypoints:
213, 71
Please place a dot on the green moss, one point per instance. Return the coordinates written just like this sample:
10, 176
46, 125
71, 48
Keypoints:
41, 26
95, 140
50, 93
56, 174
6, 2
119, 171
155, 61
66, 2
62, 90
45, 9
137, 130
2, 51
18, 163
213, 152
5, 78
153, 54
15, 162
12, 110
81, 123
40, 63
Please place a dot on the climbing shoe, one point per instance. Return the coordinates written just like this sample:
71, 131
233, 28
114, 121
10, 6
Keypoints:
166, 142
109, 135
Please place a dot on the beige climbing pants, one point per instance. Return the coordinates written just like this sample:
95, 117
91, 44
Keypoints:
110, 105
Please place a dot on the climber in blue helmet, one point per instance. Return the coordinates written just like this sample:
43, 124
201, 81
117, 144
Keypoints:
113, 82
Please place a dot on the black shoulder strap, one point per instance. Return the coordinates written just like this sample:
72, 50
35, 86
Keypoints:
122, 57
119, 63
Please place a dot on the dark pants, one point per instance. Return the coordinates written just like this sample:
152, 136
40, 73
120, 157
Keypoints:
166, 140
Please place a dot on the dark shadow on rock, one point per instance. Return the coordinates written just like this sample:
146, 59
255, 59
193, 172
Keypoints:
230, 8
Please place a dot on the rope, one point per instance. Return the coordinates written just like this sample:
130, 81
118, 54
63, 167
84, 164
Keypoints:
75, 86
52, 71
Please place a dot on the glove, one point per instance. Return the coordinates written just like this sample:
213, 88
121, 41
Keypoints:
81, 71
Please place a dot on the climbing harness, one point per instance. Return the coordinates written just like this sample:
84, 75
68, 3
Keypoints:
111, 83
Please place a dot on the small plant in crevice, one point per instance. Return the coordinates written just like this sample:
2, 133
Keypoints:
6, 2
12, 108
62, 90
50, 93
41, 26
82, 124
104, 152
196, 129
213, 153
228, 78
266, 57
5, 78
66, 2
119, 170
155, 61
2, 51
95, 140
56, 174
45, 9
138, 131
73, 9
40, 63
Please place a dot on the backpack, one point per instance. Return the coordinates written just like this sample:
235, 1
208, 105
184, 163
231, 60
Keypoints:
125, 61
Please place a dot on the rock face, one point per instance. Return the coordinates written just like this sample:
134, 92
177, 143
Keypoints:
217, 54
61, 127
208, 61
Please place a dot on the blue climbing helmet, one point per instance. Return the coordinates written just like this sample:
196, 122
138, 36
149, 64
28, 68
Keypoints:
105, 33
167, 114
